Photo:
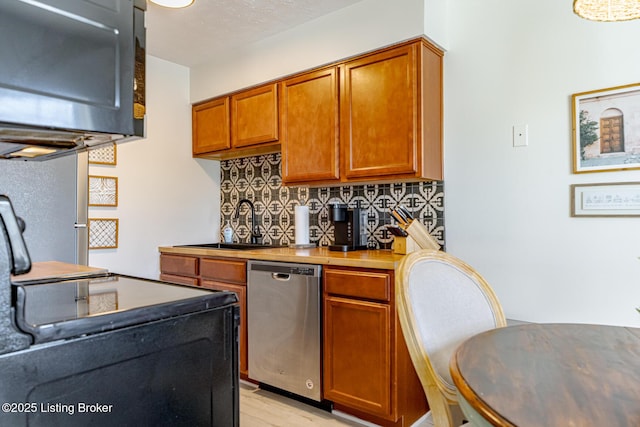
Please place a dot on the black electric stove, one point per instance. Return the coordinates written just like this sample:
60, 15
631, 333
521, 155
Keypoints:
111, 349
62, 309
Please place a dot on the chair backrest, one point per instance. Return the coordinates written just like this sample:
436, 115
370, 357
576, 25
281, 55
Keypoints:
441, 302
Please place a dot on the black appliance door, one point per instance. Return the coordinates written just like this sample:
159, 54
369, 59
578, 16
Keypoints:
68, 64
180, 371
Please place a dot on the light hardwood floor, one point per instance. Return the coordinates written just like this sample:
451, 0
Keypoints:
261, 408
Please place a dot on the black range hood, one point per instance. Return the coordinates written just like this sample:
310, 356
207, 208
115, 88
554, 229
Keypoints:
72, 75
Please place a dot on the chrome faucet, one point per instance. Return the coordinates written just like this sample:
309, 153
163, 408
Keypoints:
255, 229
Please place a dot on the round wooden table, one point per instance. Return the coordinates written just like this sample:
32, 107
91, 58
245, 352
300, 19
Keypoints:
547, 375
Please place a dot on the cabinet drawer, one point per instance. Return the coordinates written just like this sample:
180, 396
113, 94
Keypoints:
178, 265
224, 270
369, 284
181, 280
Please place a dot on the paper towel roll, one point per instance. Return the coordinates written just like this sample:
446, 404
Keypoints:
301, 226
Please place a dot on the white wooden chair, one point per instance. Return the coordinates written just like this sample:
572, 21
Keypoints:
441, 302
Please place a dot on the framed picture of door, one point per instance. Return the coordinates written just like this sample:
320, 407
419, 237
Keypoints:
606, 129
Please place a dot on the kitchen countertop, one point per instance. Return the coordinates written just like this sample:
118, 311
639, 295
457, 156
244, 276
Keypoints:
53, 269
381, 259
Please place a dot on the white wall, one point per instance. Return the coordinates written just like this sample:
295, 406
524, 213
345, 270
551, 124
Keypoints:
507, 209
165, 196
436, 22
364, 26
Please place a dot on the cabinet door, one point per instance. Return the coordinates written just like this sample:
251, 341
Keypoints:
357, 354
210, 126
241, 291
255, 117
379, 116
310, 131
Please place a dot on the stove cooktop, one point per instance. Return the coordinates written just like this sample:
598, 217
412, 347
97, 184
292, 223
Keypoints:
69, 308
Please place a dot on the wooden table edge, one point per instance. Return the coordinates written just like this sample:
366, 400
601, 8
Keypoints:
472, 398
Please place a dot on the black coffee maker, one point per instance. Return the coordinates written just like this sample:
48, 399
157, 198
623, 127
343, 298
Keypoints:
349, 228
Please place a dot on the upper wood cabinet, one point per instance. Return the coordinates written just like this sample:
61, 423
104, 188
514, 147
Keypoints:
310, 131
243, 124
254, 116
377, 116
210, 126
390, 120
391, 114
380, 114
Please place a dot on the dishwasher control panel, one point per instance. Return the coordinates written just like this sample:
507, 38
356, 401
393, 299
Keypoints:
286, 268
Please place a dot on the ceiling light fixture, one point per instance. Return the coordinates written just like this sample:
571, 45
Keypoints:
174, 4
607, 10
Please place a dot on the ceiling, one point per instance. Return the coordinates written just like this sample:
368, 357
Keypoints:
198, 33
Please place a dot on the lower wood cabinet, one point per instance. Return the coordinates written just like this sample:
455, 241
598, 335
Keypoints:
224, 270
179, 269
241, 291
219, 274
357, 354
229, 275
367, 368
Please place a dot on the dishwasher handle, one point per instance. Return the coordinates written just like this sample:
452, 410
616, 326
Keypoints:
282, 277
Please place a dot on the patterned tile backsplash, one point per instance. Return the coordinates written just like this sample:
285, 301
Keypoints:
259, 180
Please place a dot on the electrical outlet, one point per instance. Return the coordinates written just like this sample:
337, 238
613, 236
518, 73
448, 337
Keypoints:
520, 135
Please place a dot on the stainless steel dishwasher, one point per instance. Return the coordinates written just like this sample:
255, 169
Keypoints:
283, 316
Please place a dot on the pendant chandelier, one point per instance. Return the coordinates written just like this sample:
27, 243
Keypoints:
174, 4
607, 10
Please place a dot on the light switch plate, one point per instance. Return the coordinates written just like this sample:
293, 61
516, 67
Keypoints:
520, 135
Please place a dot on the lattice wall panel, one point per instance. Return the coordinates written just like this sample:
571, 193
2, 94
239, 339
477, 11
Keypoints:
103, 233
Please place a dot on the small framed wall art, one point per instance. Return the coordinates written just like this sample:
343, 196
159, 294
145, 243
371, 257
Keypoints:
606, 129
106, 155
621, 199
103, 233
103, 190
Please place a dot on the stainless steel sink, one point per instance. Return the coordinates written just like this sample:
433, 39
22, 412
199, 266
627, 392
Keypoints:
235, 246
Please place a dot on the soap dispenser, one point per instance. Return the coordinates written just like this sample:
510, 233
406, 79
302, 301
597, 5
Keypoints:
227, 233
